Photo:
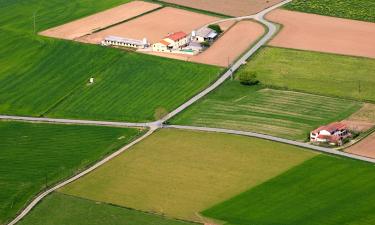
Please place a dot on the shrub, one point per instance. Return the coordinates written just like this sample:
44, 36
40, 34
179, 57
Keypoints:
205, 44
216, 28
248, 78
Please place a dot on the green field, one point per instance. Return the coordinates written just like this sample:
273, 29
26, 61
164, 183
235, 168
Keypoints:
350, 9
58, 209
321, 73
180, 173
48, 77
323, 190
284, 114
33, 155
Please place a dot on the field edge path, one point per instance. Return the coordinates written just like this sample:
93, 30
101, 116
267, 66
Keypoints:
42, 195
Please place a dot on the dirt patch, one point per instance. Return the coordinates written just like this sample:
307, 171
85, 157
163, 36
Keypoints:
154, 26
231, 45
365, 147
228, 7
100, 20
363, 119
323, 33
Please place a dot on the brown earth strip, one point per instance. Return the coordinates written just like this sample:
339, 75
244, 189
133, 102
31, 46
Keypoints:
365, 147
322, 33
231, 45
100, 20
363, 119
154, 26
234, 8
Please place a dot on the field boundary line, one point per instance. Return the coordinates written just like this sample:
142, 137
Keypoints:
42, 195
259, 17
73, 121
276, 139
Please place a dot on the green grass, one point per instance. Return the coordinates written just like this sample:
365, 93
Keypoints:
37, 74
350, 9
323, 190
321, 73
32, 155
59, 209
280, 113
132, 90
180, 173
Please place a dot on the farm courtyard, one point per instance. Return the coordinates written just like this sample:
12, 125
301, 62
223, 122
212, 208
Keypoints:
187, 112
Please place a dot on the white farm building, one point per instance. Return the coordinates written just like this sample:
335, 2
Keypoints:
203, 34
125, 42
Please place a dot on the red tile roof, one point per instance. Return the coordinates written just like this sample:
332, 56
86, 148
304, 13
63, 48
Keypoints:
166, 43
331, 127
177, 36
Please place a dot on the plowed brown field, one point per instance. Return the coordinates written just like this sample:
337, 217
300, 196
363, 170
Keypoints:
100, 20
323, 33
228, 7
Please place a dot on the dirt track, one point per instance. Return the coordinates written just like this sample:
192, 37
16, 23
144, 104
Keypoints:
231, 45
154, 26
228, 7
323, 33
103, 19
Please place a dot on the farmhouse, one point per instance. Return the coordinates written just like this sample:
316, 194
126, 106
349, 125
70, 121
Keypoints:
125, 42
174, 41
203, 34
333, 134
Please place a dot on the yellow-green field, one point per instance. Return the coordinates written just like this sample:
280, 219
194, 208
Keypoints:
181, 173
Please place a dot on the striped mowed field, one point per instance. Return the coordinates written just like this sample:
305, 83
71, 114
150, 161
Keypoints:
280, 113
179, 173
33, 156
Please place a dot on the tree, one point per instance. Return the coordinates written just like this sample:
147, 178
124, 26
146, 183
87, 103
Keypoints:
248, 78
216, 28
205, 44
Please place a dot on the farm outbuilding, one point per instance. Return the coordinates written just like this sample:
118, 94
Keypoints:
203, 34
125, 42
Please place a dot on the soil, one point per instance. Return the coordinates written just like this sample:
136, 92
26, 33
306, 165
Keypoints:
365, 147
89, 24
234, 8
231, 45
322, 33
363, 119
154, 26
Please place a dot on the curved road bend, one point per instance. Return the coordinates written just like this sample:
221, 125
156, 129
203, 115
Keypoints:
272, 138
272, 29
83, 173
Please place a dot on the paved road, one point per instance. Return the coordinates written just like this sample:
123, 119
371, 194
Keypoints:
83, 173
277, 139
70, 121
272, 29
159, 124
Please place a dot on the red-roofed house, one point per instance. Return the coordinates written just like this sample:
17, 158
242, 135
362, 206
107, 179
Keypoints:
171, 42
333, 133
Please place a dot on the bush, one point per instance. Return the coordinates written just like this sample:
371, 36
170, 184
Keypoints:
216, 28
205, 44
248, 78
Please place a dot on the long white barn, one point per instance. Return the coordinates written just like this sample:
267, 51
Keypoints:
125, 42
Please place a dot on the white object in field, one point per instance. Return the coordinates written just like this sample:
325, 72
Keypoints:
91, 81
